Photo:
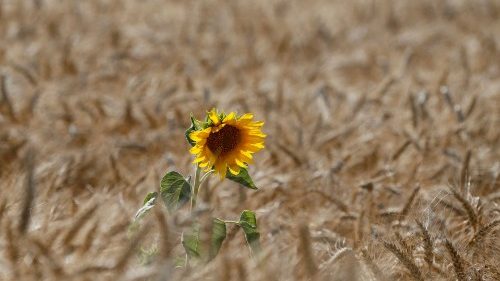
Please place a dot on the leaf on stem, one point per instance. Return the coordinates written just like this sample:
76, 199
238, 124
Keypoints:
218, 236
248, 222
174, 190
242, 178
191, 241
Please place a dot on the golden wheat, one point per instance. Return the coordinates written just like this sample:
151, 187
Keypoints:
382, 148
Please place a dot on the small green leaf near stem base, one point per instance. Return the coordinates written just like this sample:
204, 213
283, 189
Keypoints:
218, 236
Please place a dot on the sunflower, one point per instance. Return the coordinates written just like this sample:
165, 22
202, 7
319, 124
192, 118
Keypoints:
227, 142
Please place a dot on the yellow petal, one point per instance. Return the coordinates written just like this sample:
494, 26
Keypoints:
257, 124
218, 128
200, 135
205, 132
253, 148
253, 139
199, 159
240, 163
246, 157
221, 168
258, 145
231, 116
195, 136
211, 158
195, 149
247, 116
234, 169
214, 117
257, 134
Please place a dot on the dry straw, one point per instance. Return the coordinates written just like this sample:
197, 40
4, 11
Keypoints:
399, 98
406, 259
458, 265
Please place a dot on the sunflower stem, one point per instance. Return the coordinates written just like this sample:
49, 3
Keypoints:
196, 187
197, 184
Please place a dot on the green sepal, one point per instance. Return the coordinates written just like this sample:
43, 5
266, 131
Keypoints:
208, 122
242, 178
196, 125
174, 190
218, 236
222, 116
248, 222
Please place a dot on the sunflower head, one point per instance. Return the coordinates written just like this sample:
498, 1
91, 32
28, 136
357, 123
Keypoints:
226, 142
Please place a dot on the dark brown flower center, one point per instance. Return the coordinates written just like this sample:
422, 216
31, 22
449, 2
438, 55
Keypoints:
224, 140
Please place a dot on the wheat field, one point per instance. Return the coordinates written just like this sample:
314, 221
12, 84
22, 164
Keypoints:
382, 156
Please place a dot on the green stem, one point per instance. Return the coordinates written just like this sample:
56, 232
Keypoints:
194, 196
196, 187
197, 184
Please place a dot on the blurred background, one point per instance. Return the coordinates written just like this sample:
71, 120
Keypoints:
373, 109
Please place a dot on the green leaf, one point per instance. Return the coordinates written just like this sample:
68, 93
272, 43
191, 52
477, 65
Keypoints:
249, 217
149, 196
195, 126
149, 203
218, 236
248, 222
191, 241
174, 190
242, 178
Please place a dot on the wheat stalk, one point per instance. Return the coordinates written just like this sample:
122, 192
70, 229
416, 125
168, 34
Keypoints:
469, 210
457, 261
305, 249
483, 233
429, 256
406, 260
407, 207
